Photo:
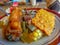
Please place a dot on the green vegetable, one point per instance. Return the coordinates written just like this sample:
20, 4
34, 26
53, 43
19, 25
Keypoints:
17, 39
1, 24
24, 25
9, 37
31, 27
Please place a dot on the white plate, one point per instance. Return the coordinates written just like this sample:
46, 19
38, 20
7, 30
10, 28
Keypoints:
44, 40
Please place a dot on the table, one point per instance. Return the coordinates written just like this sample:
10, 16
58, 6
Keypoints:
55, 42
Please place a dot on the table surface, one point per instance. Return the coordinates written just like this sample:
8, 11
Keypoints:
55, 42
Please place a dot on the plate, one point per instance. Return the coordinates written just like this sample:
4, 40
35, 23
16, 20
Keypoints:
45, 40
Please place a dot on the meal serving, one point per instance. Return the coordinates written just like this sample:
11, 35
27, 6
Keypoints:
28, 25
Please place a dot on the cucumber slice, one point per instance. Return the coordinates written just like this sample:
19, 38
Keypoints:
31, 27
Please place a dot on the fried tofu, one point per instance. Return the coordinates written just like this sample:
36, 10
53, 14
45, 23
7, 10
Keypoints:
45, 21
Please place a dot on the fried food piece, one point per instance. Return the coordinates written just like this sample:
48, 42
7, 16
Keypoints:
45, 21
16, 14
14, 29
14, 20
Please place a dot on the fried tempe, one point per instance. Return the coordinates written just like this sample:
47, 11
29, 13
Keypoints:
45, 21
